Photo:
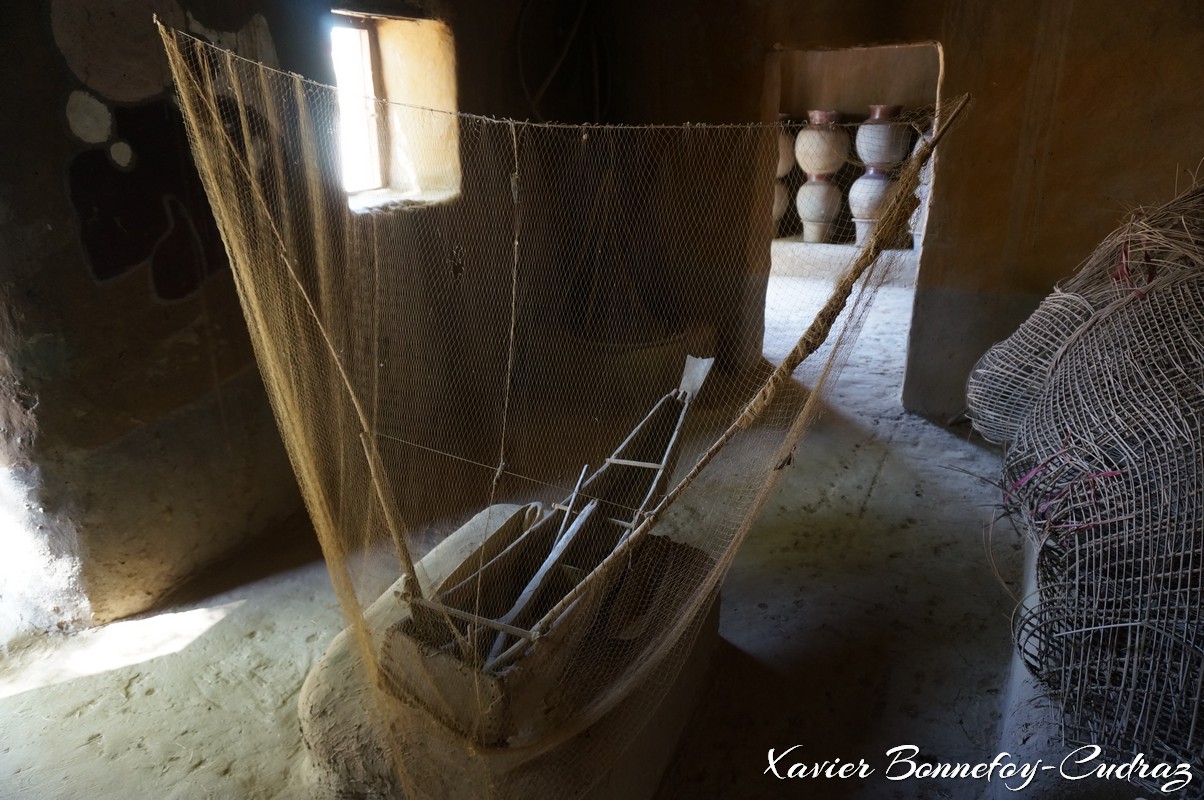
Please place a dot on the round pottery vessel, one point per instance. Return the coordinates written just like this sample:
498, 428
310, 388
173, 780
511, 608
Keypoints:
881, 140
864, 229
870, 193
821, 148
785, 153
818, 204
781, 199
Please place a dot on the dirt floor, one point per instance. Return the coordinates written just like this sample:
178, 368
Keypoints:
870, 606
869, 609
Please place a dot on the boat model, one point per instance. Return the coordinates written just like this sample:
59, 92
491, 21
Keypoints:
529, 628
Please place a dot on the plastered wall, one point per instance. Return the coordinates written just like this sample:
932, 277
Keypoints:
136, 444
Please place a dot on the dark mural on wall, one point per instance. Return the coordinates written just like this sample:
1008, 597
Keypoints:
139, 201
152, 210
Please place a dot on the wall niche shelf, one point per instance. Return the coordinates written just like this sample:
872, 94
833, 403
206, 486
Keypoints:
794, 258
847, 81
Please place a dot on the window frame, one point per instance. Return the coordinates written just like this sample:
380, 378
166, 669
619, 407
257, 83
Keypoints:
364, 22
397, 187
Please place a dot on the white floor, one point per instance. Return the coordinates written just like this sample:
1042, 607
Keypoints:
868, 609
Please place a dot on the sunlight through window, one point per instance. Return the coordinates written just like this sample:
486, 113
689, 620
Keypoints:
359, 134
398, 133
51, 661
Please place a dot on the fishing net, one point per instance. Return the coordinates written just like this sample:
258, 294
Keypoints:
529, 403
1099, 397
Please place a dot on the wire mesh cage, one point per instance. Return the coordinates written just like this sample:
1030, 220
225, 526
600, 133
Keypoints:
1099, 397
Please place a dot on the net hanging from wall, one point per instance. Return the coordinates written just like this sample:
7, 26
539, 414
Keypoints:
532, 405
1099, 397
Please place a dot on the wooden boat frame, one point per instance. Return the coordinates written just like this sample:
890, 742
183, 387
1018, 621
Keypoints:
472, 658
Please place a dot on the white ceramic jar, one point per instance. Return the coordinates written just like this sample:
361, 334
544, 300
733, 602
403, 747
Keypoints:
821, 148
881, 140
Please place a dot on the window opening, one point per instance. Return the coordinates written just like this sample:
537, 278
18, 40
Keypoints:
405, 149
351, 48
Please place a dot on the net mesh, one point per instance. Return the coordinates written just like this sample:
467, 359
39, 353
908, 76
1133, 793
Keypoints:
1099, 397
529, 404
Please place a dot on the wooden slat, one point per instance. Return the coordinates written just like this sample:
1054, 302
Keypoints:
477, 619
626, 462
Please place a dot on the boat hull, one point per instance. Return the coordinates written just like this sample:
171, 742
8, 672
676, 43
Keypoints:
344, 718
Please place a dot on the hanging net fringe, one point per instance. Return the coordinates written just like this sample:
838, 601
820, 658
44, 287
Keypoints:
532, 404
1099, 398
